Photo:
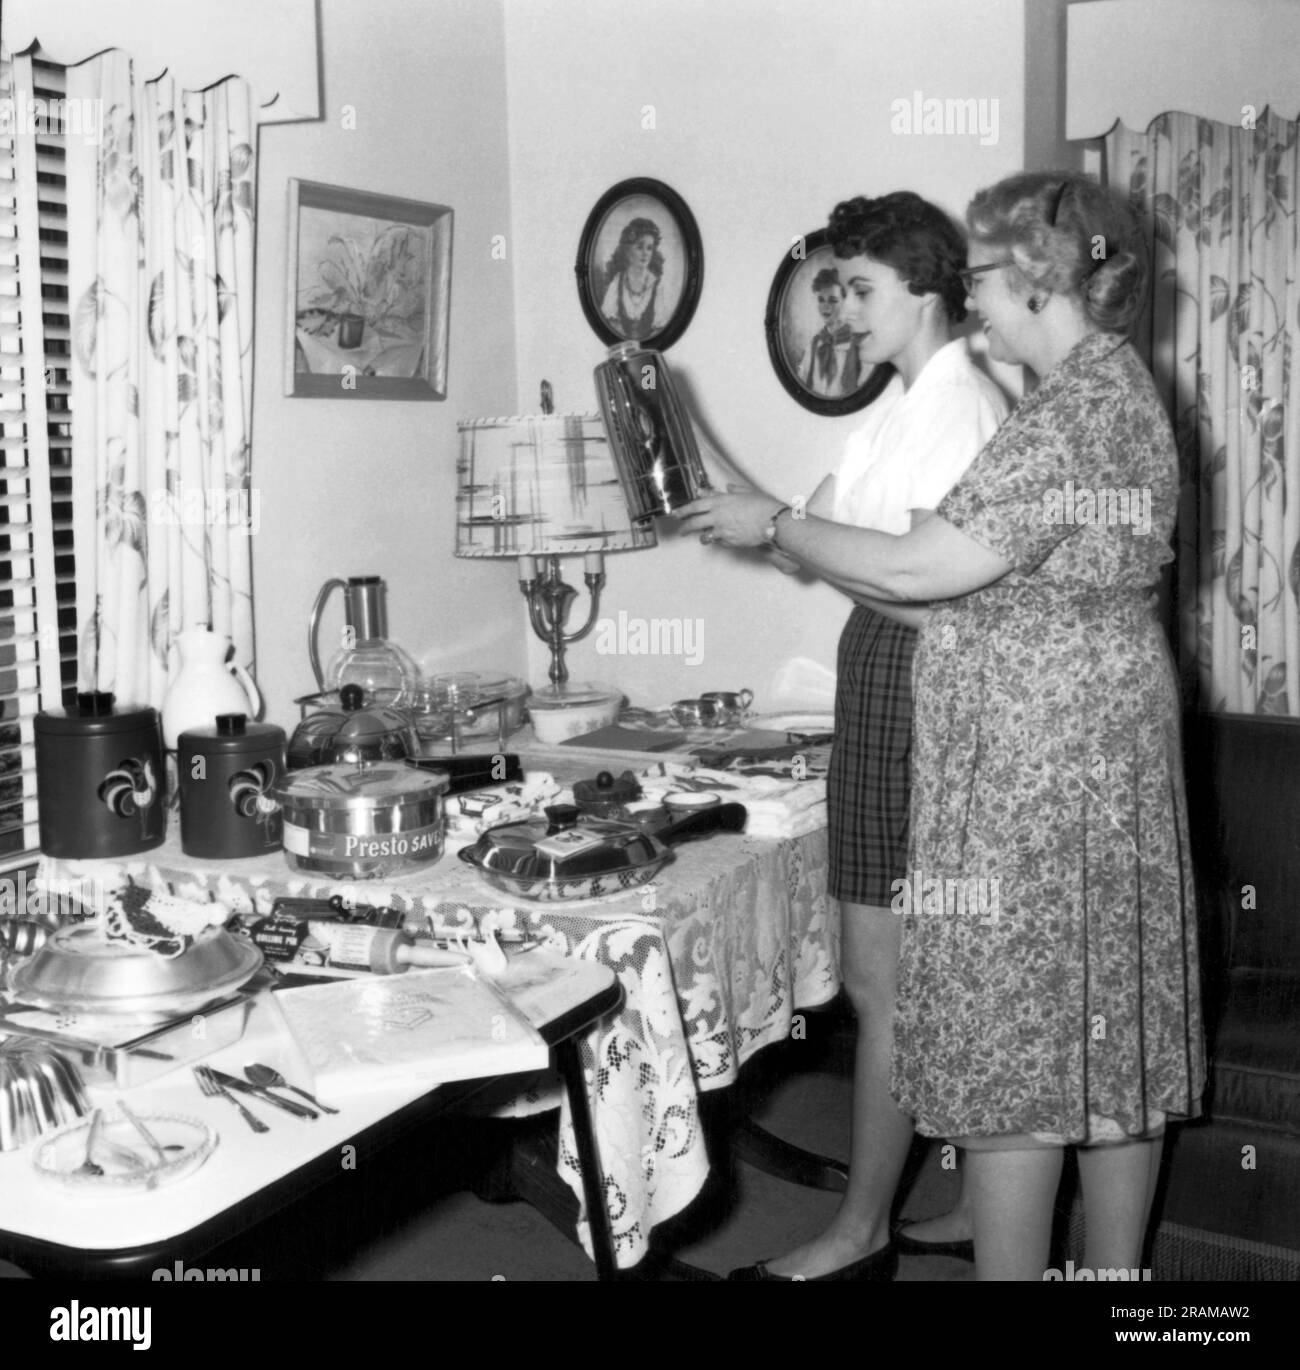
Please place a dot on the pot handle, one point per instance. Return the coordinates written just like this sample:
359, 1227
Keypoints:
719, 818
313, 622
468, 856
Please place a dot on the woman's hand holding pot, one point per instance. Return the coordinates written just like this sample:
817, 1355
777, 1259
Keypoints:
734, 519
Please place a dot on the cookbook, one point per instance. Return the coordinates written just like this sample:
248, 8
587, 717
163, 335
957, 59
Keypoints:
425, 1026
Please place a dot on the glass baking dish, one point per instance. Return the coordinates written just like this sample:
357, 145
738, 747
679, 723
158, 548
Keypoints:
126, 1055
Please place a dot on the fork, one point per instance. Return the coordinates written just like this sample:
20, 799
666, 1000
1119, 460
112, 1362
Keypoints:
212, 1088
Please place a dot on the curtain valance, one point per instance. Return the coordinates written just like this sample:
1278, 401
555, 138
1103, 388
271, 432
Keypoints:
272, 47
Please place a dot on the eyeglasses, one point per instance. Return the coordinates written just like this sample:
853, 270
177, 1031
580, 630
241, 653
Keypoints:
968, 276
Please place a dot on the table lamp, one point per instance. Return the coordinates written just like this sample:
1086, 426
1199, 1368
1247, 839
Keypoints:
538, 487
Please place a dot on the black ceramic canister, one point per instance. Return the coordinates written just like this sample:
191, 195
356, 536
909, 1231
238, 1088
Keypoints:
99, 779
227, 773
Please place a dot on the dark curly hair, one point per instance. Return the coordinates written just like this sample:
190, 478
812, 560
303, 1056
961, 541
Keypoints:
910, 234
632, 230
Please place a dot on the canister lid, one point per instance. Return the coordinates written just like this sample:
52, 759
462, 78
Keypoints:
95, 712
365, 785
232, 733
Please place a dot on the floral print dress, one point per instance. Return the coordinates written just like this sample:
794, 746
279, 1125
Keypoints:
1048, 983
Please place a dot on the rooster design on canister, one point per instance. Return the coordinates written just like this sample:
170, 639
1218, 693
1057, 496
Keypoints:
248, 793
130, 788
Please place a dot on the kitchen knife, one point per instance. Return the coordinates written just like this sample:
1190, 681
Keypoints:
234, 1082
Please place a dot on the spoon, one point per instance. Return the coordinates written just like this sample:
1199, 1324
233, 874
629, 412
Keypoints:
266, 1078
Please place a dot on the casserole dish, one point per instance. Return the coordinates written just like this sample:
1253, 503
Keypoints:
564, 711
598, 857
363, 822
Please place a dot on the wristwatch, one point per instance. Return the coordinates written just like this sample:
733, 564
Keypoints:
769, 533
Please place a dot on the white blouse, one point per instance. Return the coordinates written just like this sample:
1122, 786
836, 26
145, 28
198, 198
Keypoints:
916, 443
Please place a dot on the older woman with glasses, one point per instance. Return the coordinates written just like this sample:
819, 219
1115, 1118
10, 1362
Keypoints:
1048, 989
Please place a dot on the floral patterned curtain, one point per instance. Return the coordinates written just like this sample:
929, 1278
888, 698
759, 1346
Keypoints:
1226, 304
162, 382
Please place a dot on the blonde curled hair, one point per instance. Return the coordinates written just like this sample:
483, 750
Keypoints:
1067, 234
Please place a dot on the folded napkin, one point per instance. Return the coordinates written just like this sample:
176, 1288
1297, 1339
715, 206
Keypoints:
773, 821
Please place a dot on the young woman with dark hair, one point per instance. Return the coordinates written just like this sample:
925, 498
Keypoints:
899, 259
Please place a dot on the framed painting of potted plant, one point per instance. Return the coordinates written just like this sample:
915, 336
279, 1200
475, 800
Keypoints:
369, 289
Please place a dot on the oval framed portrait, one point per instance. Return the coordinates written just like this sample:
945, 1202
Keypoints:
640, 265
813, 350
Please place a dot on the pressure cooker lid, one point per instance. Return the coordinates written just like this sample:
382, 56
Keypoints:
372, 785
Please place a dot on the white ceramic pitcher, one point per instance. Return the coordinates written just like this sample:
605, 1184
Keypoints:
206, 685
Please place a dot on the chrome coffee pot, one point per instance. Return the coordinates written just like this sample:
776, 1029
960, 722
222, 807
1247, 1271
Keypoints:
650, 434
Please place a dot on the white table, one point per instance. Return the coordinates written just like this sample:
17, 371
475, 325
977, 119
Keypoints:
77, 1230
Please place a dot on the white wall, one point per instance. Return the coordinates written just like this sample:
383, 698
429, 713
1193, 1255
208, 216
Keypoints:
352, 487
766, 113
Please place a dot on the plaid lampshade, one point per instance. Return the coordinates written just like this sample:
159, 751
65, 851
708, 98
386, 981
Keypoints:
540, 485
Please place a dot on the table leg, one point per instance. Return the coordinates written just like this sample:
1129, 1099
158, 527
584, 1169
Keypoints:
593, 1178
769, 1153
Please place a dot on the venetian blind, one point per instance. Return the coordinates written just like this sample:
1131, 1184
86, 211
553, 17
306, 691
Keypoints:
37, 585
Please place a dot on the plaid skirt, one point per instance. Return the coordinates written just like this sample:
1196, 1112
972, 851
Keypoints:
868, 784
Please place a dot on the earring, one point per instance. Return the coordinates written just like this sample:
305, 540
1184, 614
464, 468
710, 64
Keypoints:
1036, 303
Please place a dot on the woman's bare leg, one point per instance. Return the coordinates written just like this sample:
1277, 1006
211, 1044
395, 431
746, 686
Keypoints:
882, 1135
1119, 1183
956, 1225
1012, 1194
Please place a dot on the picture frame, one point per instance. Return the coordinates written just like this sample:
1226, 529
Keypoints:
640, 286
810, 352
368, 295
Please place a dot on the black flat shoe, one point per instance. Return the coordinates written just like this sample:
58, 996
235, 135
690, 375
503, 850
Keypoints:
880, 1266
909, 1246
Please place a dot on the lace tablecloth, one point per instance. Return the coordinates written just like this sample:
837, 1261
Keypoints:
713, 956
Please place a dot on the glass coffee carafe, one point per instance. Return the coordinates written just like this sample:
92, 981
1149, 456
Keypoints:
366, 656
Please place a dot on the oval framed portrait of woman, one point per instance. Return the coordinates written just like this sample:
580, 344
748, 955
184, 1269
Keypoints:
640, 265
813, 350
